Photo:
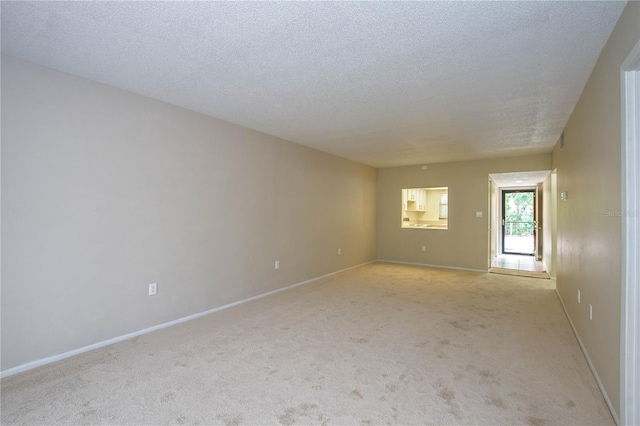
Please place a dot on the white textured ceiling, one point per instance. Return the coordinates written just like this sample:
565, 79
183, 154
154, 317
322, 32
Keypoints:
521, 179
382, 83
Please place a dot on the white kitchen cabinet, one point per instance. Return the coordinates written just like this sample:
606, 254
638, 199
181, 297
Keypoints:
421, 201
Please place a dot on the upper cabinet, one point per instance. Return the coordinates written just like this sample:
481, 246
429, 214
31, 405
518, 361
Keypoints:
421, 201
414, 200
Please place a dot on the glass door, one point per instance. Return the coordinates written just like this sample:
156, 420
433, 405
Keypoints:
518, 222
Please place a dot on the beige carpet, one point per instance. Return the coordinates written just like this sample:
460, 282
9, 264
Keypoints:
380, 344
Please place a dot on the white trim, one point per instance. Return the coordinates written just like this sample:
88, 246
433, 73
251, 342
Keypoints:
593, 369
30, 365
630, 209
500, 210
432, 266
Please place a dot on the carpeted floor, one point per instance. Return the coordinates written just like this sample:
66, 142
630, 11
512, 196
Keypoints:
515, 272
379, 344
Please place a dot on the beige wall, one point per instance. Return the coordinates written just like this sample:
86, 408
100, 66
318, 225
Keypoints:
589, 240
466, 243
104, 192
433, 207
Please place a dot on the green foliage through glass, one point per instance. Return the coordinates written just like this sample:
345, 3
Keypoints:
518, 213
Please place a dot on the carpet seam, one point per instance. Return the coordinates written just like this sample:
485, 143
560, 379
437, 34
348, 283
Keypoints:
432, 266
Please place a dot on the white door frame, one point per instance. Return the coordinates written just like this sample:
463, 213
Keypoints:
501, 191
630, 212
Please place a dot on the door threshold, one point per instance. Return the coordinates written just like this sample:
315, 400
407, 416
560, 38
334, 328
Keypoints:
518, 273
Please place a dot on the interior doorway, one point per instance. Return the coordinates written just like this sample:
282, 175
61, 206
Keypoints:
520, 248
519, 222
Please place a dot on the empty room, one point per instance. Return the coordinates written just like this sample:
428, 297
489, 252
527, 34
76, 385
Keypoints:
340, 213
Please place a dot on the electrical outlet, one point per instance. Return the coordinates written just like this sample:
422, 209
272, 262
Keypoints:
339, 251
578, 296
277, 265
153, 289
424, 248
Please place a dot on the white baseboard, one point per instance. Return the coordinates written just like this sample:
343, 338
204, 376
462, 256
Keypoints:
433, 266
44, 361
613, 411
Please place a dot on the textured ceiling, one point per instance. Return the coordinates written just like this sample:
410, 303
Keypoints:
521, 179
382, 83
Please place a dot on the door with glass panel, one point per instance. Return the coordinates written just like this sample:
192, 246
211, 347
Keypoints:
518, 222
